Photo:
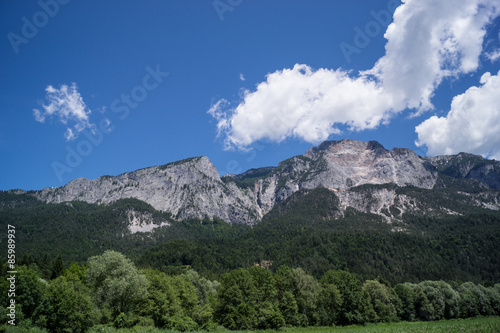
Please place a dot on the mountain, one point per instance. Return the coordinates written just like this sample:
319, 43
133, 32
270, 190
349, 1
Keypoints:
341, 205
192, 188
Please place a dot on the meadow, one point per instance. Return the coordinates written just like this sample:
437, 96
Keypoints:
478, 325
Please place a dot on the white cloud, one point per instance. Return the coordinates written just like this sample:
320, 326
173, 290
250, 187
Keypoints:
493, 55
242, 77
428, 41
303, 103
471, 125
65, 105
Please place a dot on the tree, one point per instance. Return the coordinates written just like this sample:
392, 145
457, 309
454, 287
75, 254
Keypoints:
206, 291
444, 300
436, 299
355, 308
237, 300
268, 312
286, 299
205, 288
306, 291
468, 304
382, 300
493, 295
30, 293
75, 272
406, 295
70, 307
57, 267
330, 301
423, 308
162, 303
451, 299
115, 282
473, 300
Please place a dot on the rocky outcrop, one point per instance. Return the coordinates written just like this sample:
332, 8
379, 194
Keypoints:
192, 188
189, 188
468, 166
142, 222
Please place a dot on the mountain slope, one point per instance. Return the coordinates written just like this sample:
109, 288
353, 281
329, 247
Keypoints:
189, 188
192, 188
342, 205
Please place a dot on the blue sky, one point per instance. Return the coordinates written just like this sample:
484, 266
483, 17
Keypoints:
101, 88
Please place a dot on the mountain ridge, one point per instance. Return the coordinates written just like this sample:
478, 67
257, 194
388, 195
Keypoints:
193, 188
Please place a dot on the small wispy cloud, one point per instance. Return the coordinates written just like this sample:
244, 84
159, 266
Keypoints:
242, 77
66, 105
493, 55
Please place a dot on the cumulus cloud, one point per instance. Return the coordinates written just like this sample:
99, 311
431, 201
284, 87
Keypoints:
65, 105
471, 125
427, 42
303, 103
431, 40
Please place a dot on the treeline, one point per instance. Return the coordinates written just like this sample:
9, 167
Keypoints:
110, 290
307, 230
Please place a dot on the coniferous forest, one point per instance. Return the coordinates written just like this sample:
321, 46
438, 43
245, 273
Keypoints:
78, 266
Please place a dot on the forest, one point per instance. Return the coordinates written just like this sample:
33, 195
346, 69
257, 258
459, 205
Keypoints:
79, 266
302, 232
110, 290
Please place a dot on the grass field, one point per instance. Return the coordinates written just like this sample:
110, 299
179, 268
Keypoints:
487, 324
483, 324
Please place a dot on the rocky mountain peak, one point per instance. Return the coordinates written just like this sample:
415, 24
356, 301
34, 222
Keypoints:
192, 188
344, 147
348, 163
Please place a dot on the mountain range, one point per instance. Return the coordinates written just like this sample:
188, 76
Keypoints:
192, 188
341, 205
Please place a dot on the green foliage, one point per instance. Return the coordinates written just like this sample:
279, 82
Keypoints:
449, 296
307, 230
75, 272
329, 304
30, 293
355, 307
268, 313
237, 300
406, 306
70, 306
173, 301
286, 299
306, 291
205, 289
57, 267
471, 325
115, 282
162, 302
474, 300
382, 299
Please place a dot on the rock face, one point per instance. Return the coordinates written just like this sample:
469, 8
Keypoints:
353, 163
189, 188
468, 166
192, 188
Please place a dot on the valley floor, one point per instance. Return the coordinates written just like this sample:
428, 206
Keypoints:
480, 324
477, 325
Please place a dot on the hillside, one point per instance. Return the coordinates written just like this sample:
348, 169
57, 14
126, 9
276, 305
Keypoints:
192, 188
342, 205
